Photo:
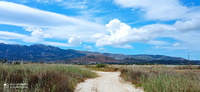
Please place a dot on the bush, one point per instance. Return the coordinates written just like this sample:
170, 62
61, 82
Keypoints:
101, 65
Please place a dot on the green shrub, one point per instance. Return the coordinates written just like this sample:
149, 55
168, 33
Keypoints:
101, 65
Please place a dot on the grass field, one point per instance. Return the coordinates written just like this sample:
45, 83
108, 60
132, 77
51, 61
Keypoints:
164, 79
62, 78
43, 77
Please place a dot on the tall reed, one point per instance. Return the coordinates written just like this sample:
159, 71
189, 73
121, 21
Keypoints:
43, 77
163, 79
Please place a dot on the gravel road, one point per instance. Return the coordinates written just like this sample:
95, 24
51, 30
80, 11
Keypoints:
107, 82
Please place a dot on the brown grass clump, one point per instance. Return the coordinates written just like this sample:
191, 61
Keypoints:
133, 76
186, 67
50, 82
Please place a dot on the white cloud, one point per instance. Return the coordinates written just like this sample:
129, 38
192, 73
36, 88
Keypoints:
11, 35
122, 34
7, 42
7, 36
42, 1
87, 47
66, 3
188, 40
176, 44
157, 42
124, 46
38, 32
98, 35
30, 17
44, 24
185, 30
188, 25
161, 9
76, 5
52, 24
75, 40
57, 44
102, 49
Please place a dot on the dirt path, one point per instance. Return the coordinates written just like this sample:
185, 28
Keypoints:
107, 82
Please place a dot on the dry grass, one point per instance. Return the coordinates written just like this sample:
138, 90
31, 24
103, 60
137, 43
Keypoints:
163, 79
45, 78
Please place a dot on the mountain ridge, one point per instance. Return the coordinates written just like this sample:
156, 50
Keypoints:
47, 53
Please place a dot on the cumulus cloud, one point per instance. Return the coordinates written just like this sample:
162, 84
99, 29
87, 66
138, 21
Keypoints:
98, 35
169, 10
75, 40
88, 47
44, 24
38, 32
122, 34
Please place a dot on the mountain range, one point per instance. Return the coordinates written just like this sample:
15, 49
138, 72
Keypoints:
46, 53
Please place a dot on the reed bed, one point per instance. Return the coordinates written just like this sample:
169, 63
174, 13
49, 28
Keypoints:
44, 77
163, 79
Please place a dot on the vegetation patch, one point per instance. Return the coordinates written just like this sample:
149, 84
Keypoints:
102, 67
44, 78
163, 79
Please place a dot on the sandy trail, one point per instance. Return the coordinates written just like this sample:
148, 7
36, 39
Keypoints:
107, 82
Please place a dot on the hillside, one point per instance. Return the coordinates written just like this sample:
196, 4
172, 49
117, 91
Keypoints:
93, 59
46, 53
140, 57
36, 53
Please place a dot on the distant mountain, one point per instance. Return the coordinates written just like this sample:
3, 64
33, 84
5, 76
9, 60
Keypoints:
156, 57
36, 52
93, 58
132, 60
138, 57
46, 53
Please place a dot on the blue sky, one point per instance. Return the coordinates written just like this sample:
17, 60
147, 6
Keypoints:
165, 27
